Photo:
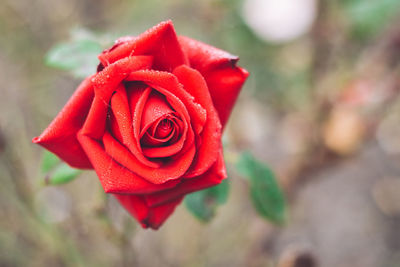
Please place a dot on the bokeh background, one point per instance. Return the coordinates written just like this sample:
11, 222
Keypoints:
321, 108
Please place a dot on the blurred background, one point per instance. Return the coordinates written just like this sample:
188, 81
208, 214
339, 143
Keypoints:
321, 108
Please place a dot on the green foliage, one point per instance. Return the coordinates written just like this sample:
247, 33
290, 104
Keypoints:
79, 54
63, 174
79, 57
266, 195
55, 171
369, 16
203, 204
49, 161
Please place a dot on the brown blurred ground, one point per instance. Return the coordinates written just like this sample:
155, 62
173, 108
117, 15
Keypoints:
332, 136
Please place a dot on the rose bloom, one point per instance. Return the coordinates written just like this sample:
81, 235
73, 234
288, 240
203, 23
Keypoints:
149, 121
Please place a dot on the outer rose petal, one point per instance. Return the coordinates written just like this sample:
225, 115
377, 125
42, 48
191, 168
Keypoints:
60, 136
152, 217
208, 149
105, 83
212, 177
223, 77
160, 41
115, 178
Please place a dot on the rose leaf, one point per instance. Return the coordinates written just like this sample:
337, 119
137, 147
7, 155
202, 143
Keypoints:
203, 204
49, 161
62, 174
367, 17
77, 56
266, 195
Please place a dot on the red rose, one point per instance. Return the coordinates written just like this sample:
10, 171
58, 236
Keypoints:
149, 121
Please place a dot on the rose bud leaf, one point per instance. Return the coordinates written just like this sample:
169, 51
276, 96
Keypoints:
202, 204
266, 195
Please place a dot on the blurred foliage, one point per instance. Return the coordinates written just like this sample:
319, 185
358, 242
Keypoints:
62, 174
367, 17
49, 161
266, 195
55, 171
79, 55
203, 204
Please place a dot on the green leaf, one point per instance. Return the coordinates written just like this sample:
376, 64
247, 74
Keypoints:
266, 195
203, 204
49, 161
369, 16
243, 164
77, 56
62, 174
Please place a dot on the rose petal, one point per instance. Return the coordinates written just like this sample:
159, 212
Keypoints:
155, 107
185, 129
114, 177
163, 129
164, 81
96, 120
150, 139
212, 177
135, 205
171, 170
207, 152
225, 84
181, 101
118, 42
121, 111
148, 217
60, 136
107, 80
113, 127
167, 150
186, 139
160, 133
105, 83
223, 77
163, 151
159, 214
160, 41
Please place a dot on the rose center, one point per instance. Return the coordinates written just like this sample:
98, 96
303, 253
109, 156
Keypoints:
164, 129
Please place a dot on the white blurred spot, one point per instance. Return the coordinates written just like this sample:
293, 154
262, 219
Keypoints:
279, 21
